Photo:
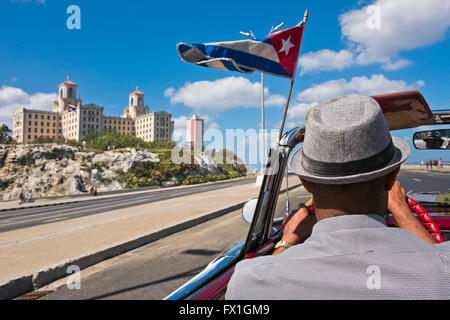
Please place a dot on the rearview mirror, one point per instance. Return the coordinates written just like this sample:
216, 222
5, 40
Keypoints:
248, 211
432, 139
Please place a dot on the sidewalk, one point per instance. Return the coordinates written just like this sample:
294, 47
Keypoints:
41, 202
35, 256
420, 167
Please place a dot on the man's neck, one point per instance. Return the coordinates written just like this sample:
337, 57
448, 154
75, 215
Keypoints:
327, 208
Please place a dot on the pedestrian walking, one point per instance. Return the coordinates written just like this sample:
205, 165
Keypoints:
21, 197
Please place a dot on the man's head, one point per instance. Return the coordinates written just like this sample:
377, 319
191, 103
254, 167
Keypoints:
433, 140
349, 153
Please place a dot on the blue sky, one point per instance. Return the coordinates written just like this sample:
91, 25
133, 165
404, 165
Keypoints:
122, 45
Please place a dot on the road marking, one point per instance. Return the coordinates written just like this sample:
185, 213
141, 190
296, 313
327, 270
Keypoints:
415, 179
52, 220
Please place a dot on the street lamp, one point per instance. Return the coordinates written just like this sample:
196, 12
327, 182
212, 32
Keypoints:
251, 34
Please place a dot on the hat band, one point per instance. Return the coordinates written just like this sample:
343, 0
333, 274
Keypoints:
365, 165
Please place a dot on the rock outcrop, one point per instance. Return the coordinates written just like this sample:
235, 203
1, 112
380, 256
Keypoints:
51, 169
56, 169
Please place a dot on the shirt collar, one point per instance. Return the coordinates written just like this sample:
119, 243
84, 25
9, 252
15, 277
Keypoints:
350, 221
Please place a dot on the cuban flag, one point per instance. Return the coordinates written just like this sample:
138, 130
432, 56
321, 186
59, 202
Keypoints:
276, 54
71, 107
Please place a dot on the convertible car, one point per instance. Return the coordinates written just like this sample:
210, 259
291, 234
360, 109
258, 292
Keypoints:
266, 213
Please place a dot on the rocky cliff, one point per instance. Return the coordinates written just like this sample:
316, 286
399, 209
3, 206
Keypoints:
54, 169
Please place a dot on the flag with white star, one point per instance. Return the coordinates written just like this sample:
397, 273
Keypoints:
276, 54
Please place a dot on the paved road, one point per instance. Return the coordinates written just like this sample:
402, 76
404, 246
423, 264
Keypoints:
155, 270
22, 218
421, 181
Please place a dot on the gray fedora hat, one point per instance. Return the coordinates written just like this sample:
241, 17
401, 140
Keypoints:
347, 140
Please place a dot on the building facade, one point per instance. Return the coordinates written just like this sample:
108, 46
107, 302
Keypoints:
71, 120
194, 132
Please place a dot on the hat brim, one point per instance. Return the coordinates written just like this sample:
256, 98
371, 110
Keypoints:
401, 154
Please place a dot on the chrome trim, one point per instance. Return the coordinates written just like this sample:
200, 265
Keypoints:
213, 267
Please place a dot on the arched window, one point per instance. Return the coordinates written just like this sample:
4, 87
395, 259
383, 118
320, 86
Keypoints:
140, 101
61, 93
131, 101
70, 92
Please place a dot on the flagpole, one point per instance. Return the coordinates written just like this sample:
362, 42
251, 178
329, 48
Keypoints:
286, 108
305, 18
262, 124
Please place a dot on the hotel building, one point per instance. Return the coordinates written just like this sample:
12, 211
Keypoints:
72, 120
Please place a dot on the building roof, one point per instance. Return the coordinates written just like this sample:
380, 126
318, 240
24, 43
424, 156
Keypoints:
136, 92
69, 82
195, 117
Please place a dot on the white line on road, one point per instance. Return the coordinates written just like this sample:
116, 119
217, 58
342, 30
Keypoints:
52, 220
415, 179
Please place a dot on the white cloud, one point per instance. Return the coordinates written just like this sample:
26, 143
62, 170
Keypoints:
298, 111
222, 94
392, 66
180, 122
213, 125
325, 60
401, 25
12, 98
169, 91
41, 2
376, 84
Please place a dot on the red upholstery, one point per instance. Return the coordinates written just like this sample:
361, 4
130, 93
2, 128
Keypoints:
426, 219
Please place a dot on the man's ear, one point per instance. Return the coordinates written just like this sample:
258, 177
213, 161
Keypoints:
390, 179
306, 185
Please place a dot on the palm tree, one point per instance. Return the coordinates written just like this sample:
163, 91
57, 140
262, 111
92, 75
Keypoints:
4, 130
4, 137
